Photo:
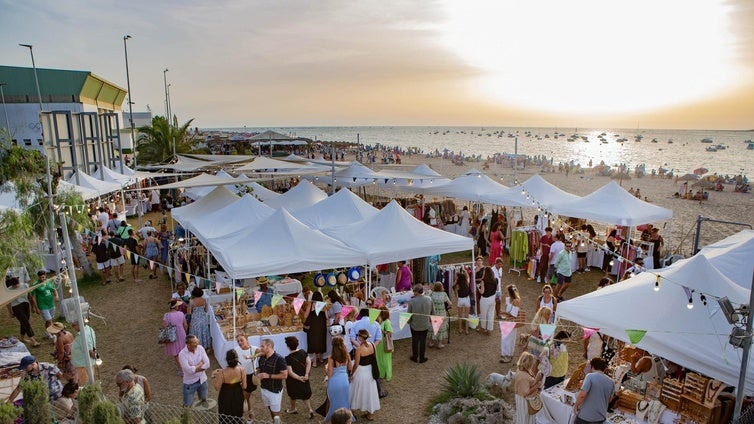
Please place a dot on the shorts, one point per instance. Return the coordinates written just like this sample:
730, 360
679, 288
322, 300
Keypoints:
581, 254
134, 259
272, 400
120, 260
464, 302
563, 279
190, 389
47, 314
103, 265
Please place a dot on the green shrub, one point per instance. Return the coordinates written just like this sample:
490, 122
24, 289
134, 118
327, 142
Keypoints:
8, 413
87, 398
172, 421
105, 412
36, 398
186, 416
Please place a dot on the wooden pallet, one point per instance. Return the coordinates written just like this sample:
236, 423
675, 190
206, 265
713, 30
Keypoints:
698, 412
695, 386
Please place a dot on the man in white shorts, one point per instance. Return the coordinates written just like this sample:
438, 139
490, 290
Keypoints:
101, 250
272, 372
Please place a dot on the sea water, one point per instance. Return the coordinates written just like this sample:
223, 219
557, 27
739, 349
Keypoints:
679, 150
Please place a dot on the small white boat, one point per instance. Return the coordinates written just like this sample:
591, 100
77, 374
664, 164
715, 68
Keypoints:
711, 149
707, 140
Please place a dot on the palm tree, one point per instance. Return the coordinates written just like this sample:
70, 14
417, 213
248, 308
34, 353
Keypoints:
157, 141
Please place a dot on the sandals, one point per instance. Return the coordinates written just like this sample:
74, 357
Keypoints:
291, 411
311, 414
440, 346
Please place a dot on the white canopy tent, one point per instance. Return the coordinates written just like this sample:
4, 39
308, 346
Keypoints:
219, 197
106, 174
342, 208
85, 192
302, 195
393, 234
266, 165
417, 184
473, 186
613, 205
85, 180
230, 219
355, 175
262, 193
733, 257
538, 189
695, 338
281, 244
199, 192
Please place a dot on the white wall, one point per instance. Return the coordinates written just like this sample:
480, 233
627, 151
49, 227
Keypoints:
24, 120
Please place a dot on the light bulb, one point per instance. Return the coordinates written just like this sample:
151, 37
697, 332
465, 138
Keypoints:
582, 244
691, 304
97, 360
523, 192
657, 286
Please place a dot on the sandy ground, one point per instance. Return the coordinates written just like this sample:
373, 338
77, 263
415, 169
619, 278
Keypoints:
133, 311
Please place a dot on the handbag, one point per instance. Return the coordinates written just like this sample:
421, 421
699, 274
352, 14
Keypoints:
322, 410
387, 340
534, 404
308, 323
519, 319
167, 334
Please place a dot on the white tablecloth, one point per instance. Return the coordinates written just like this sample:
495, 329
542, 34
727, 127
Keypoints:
554, 411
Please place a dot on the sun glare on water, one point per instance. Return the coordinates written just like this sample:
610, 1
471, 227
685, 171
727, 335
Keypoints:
593, 56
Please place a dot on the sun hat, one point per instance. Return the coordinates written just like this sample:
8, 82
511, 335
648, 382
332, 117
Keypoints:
55, 328
174, 303
26, 361
262, 280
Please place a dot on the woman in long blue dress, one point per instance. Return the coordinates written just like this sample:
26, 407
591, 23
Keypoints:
338, 369
200, 318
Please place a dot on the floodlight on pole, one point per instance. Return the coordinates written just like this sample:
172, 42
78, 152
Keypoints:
130, 105
5, 109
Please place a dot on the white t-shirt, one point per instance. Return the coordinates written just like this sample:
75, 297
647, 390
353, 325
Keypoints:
556, 248
498, 273
249, 365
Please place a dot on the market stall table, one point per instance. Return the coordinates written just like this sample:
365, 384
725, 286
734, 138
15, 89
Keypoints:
10, 357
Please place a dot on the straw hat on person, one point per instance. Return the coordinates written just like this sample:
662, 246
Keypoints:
55, 328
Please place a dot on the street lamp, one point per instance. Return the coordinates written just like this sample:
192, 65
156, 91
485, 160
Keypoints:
130, 106
167, 105
36, 78
5, 109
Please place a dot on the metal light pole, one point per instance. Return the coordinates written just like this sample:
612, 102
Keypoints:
170, 111
131, 119
5, 109
51, 238
740, 389
167, 106
130, 107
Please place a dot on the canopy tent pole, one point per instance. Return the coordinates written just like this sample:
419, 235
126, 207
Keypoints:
473, 278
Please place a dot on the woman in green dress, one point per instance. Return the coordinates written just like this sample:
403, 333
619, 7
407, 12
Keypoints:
385, 359
439, 301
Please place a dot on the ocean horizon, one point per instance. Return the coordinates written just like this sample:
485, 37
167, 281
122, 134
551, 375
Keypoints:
673, 149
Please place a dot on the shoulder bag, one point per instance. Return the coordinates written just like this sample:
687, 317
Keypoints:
387, 340
167, 334
534, 404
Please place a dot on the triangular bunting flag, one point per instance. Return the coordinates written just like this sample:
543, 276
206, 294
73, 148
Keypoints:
346, 310
403, 319
373, 314
588, 332
506, 327
239, 291
128, 254
151, 265
474, 321
636, 335
297, 303
546, 330
276, 298
122, 251
436, 322
318, 306
187, 276
257, 296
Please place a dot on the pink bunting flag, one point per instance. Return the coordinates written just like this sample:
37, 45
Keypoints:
318, 307
257, 296
588, 332
506, 327
122, 251
436, 322
346, 310
151, 265
297, 303
403, 319
546, 330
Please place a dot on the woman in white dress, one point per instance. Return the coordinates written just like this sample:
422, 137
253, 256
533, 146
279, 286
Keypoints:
464, 223
512, 309
363, 393
526, 384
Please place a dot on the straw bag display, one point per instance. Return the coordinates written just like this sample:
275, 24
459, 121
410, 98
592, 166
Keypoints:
534, 404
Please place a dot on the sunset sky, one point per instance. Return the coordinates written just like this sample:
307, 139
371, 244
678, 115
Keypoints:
583, 63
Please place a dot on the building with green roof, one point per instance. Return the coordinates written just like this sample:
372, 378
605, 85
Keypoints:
79, 122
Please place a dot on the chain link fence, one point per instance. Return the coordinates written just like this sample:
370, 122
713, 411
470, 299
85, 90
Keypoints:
747, 417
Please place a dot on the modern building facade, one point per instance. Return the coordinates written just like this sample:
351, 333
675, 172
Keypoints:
79, 125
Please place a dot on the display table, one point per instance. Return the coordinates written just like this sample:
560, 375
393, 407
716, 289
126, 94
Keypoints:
556, 411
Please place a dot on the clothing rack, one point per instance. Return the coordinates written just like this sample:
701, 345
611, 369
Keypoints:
519, 254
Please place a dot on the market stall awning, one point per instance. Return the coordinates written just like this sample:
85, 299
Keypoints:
230, 219
473, 186
733, 257
216, 199
534, 192
101, 187
341, 208
302, 195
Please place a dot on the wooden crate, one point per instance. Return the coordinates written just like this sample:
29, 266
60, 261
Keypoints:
695, 386
698, 412
628, 399
670, 396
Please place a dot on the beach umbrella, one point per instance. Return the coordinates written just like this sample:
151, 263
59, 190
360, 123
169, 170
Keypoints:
701, 171
688, 177
620, 176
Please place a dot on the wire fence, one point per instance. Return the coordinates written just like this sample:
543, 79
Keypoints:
747, 417
158, 413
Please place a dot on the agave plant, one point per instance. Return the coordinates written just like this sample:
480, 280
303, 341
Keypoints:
463, 381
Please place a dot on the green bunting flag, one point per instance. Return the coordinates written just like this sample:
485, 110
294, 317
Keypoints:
636, 335
373, 314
